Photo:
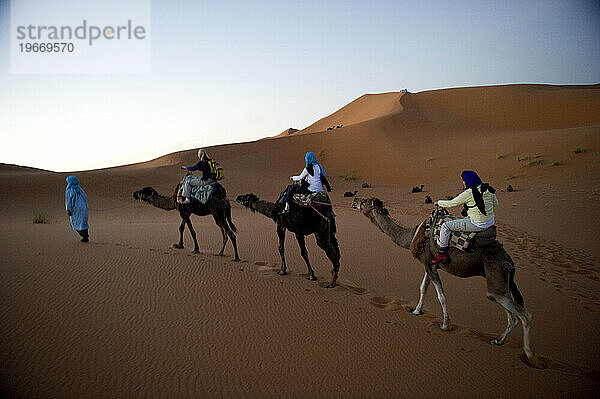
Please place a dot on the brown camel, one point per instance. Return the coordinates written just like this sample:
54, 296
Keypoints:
491, 262
301, 221
218, 206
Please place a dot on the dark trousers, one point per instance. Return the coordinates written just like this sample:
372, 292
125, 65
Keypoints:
84, 234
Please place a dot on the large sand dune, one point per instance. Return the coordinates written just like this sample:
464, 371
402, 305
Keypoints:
128, 316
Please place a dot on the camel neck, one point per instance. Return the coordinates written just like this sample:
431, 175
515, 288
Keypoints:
264, 207
401, 235
160, 201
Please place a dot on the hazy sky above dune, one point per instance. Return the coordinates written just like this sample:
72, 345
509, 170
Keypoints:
230, 71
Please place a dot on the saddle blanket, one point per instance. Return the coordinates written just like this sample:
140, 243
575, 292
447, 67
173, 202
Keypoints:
306, 199
458, 239
202, 193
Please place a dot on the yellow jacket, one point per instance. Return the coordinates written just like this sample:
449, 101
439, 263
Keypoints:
466, 197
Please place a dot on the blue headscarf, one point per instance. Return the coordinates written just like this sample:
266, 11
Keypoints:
471, 179
73, 182
311, 159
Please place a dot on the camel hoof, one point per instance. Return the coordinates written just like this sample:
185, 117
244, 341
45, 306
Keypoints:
417, 312
496, 342
445, 327
220, 254
196, 251
330, 286
282, 273
176, 246
236, 260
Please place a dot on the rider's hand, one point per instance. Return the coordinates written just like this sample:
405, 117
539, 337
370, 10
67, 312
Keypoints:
184, 167
69, 213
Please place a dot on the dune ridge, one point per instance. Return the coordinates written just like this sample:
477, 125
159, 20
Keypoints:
511, 107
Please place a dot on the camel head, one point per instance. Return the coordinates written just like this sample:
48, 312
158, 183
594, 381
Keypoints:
246, 200
368, 205
144, 194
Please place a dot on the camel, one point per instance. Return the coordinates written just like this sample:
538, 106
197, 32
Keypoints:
491, 262
218, 206
418, 189
301, 221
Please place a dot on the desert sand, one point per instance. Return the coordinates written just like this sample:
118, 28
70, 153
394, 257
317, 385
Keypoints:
126, 315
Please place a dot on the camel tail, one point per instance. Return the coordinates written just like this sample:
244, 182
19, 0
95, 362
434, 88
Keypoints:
515, 291
228, 217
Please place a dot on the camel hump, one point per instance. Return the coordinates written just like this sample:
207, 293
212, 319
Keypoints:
417, 245
220, 190
485, 238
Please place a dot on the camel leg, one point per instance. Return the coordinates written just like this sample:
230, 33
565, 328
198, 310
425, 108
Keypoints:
193, 233
498, 290
281, 234
181, 229
330, 246
437, 283
514, 308
226, 232
224, 240
423, 291
512, 322
304, 253
233, 239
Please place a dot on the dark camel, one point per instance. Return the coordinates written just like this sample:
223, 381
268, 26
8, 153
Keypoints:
218, 206
491, 262
301, 221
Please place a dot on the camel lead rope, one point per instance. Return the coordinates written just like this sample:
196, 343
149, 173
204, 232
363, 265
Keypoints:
315, 209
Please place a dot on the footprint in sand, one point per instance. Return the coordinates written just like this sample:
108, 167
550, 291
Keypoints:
387, 303
265, 268
352, 288
357, 290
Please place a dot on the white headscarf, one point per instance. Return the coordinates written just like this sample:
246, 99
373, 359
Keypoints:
202, 154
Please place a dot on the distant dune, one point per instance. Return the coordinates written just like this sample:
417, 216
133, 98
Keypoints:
490, 107
285, 133
364, 108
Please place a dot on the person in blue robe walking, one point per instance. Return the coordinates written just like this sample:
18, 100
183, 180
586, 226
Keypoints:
77, 207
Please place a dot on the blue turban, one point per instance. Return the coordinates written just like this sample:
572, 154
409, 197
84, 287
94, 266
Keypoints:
72, 181
471, 179
311, 159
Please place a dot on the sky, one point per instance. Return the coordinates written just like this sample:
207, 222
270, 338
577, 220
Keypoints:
233, 71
